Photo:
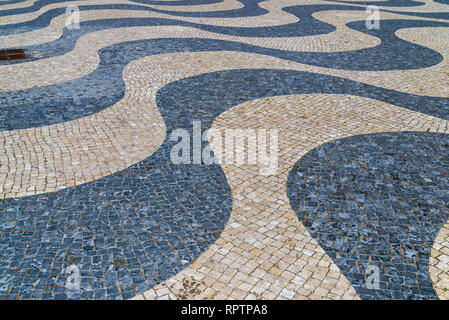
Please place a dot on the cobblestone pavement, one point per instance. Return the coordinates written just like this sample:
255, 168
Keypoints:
348, 199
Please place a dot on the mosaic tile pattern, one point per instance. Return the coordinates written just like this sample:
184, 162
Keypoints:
86, 178
376, 200
263, 234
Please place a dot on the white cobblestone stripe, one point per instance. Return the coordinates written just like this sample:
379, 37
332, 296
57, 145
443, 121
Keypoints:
439, 263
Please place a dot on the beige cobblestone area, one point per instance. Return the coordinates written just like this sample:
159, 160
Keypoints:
439, 263
265, 252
